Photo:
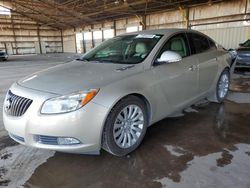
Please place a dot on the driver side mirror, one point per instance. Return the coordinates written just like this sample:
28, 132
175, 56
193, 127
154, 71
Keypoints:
169, 57
241, 44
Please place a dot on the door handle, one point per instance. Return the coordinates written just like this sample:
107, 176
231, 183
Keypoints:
214, 59
192, 68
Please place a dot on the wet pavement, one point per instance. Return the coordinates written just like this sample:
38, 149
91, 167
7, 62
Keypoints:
207, 147
171, 147
240, 83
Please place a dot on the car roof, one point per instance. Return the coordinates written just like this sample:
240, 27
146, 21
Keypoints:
160, 31
167, 32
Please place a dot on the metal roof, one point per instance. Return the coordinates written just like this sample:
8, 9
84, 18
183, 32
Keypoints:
73, 13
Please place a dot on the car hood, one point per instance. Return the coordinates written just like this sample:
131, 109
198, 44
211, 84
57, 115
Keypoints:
78, 76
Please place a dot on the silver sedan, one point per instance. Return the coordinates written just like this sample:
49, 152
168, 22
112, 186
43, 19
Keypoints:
108, 97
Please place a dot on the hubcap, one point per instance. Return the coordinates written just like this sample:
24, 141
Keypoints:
128, 126
223, 86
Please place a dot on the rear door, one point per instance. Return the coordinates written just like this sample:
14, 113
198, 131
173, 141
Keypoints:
179, 80
206, 53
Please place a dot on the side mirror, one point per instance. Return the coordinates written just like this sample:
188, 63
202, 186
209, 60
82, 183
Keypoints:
169, 57
241, 44
79, 57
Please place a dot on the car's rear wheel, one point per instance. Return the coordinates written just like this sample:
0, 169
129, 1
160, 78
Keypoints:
125, 126
223, 86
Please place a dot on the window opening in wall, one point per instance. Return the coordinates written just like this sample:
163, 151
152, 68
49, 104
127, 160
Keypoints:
108, 33
133, 28
4, 11
97, 35
79, 42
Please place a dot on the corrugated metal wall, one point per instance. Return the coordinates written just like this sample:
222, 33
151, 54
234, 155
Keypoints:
228, 37
22, 35
221, 21
69, 41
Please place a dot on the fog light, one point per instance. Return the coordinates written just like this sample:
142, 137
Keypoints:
67, 141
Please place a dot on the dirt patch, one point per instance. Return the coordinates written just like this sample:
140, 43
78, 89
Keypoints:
4, 182
6, 155
240, 85
226, 159
6, 141
3, 171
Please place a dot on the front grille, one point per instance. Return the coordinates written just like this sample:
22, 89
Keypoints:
16, 105
17, 138
48, 140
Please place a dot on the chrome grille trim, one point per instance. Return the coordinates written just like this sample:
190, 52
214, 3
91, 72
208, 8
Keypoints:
18, 105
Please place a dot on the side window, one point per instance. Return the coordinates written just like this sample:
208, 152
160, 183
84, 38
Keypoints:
178, 44
198, 43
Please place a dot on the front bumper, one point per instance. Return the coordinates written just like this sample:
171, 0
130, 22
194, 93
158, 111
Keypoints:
84, 124
3, 57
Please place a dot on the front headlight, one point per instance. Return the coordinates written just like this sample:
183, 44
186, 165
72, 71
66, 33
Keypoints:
68, 103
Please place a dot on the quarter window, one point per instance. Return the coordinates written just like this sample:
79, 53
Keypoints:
212, 44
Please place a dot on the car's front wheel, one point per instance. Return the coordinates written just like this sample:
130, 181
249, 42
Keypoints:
125, 126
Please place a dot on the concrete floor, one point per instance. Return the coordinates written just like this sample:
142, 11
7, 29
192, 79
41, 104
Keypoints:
209, 146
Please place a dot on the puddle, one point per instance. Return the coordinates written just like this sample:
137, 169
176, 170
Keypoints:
239, 97
205, 171
197, 150
175, 151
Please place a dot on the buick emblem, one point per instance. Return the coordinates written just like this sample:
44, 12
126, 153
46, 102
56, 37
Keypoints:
7, 104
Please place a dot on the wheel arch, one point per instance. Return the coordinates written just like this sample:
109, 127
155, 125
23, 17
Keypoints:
140, 96
213, 95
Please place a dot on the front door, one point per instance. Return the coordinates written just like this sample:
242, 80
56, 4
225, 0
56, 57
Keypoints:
178, 80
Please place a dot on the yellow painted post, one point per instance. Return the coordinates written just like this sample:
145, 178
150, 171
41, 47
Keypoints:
187, 18
185, 13
248, 29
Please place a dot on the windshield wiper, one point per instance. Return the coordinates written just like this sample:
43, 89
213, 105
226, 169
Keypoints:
82, 59
101, 60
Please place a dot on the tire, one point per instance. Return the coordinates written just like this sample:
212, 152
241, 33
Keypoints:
222, 86
116, 127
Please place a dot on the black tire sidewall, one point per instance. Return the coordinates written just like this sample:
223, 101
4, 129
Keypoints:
110, 144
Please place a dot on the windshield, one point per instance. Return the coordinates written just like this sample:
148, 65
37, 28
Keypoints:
129, 49
246, 44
